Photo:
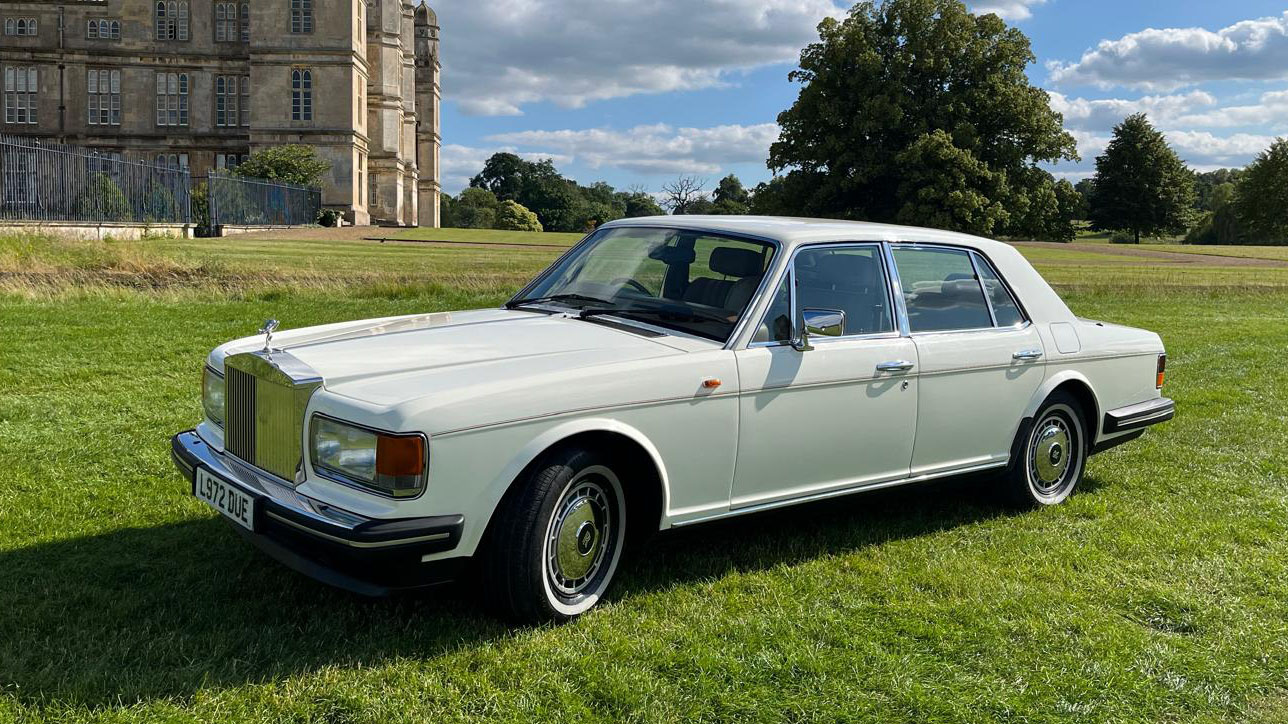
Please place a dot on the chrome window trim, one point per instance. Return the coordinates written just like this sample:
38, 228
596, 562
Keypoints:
790, 274
817, 340
896, 289
1024, 314
979, 280
970, 251
346, 481
736, 333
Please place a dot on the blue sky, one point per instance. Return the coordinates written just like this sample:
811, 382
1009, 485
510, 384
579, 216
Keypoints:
637, 92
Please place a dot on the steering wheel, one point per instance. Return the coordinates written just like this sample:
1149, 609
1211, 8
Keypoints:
633, 284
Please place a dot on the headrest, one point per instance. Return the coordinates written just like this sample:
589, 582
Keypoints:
732, 262
848, 270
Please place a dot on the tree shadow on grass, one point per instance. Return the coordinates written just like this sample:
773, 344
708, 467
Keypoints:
154, 612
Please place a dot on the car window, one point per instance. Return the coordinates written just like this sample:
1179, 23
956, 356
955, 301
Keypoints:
694, 282
846, 279
940, 290
1004, 307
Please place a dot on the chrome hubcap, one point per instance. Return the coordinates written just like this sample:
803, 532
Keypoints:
579, 535
1050, 461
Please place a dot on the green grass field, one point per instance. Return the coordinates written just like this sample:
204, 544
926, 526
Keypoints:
1158, 593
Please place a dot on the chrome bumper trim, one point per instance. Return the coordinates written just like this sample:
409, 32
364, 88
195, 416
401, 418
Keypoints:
283, 505
1140, 415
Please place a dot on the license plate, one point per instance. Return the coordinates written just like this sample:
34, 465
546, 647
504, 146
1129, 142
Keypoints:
227, 499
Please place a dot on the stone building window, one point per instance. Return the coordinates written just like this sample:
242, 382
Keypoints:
172, 20
232, 100
301, 16
104, 87
172, 99
19, 26
301, 94
173, 160
20, 95
103, 29
232, 22
228, 161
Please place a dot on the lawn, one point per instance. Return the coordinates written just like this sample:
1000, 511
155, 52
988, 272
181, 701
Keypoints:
1158, 593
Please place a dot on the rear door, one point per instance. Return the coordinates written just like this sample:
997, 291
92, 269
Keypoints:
980, 360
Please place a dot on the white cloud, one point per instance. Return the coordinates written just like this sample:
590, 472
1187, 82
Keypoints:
501, 55
1167, 59
1100, 114
1006, 9
1271, 112
1203, 147
655, 149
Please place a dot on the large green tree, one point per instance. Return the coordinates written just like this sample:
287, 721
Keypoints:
638, 202
731, 197
1220, 225
1141, 185
924, 82
475, 208
1261, 196
559, 203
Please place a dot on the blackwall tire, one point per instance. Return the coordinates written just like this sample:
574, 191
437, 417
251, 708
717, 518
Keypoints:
557, 541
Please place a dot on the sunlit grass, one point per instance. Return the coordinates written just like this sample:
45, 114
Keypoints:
1156, 594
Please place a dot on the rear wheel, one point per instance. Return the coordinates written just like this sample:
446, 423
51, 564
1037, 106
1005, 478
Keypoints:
558, 539
1050, 456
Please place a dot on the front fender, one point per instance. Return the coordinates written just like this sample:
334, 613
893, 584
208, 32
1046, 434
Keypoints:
563, 431
475, 454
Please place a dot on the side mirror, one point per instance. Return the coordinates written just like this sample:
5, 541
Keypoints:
824, 322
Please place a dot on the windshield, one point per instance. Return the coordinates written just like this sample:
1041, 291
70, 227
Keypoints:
690, 281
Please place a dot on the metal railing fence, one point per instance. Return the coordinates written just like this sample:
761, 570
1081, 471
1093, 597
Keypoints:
43, 181
237, 201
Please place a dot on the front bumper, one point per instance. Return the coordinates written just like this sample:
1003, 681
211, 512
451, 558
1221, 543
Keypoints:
368, 556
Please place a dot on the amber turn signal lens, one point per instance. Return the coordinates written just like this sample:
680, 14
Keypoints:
1162, 369
400, 456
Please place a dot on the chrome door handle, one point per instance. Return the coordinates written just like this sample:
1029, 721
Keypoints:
1027, 354
899, 365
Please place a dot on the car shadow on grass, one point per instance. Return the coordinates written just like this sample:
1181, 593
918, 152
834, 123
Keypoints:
141, 613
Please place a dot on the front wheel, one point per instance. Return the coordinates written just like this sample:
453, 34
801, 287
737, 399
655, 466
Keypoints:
1050, 456
558, 539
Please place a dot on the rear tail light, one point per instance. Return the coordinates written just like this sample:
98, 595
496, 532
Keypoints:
1162, 369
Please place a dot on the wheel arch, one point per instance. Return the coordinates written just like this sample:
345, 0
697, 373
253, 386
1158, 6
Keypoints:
1077, 385
647, 482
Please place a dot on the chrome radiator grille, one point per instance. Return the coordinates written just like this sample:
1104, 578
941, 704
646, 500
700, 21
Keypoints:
266, 399
239, 414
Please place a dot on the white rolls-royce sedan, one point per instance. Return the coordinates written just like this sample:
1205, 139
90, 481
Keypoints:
663, 372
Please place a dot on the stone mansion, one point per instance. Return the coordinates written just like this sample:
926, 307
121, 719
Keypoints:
204, 83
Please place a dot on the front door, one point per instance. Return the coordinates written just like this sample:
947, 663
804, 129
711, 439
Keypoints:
841, 415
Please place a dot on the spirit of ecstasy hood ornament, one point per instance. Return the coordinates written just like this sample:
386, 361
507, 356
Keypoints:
267, 330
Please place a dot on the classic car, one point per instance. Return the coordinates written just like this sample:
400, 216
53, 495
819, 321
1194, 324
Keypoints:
663, 372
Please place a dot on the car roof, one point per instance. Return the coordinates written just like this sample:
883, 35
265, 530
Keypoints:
791, 231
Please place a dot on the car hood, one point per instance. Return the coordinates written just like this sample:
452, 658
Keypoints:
386, 361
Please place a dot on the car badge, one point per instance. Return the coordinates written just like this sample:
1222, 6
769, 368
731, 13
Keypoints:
267, 330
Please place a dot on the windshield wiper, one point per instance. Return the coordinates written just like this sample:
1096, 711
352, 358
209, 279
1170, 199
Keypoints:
556, 298
676, 313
